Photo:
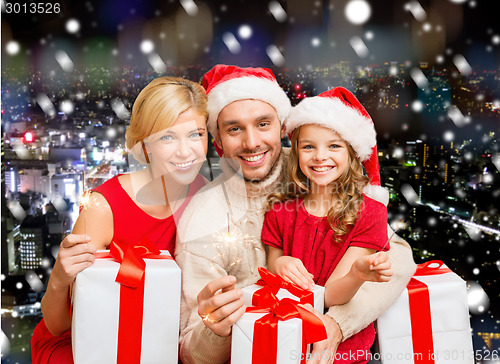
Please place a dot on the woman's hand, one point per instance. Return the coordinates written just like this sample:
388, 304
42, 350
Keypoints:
75, 254
293, 270
374, 267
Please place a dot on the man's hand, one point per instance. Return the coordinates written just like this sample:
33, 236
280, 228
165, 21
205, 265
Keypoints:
220, 305
324, 351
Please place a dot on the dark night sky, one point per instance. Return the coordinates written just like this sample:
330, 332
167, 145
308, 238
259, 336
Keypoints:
467, 28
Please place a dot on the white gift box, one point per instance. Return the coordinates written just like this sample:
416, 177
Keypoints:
289, 340
319, 295
451, 332
96, 302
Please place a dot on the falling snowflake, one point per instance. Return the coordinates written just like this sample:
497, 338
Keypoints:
64, 61
245, 31
147, 46
359, 47
12, 48
66, 107
277, 11
416, 10
418, 77
34, 281
398, 153
231, 42
275, 55
45, 104
72, 26
357, 11
477, 299
462, 65
409, 194
157, 63
448, 136
119, 108
190, 7
417, 106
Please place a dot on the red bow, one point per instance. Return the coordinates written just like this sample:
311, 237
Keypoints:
131, 279
420, 310
265, 336
273, 283
431, 267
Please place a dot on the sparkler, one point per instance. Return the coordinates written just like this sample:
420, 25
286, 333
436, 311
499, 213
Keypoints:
399, 225
83, 204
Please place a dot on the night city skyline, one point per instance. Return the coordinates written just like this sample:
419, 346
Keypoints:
428, 73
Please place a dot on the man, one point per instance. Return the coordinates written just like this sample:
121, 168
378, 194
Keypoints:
247, 110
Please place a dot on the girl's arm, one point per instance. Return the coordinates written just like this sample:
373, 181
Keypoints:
357, 266
93, 230
291, 269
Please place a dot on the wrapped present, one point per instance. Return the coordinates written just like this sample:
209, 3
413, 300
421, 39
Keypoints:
276, 331
271, 282
429, 322
126, 307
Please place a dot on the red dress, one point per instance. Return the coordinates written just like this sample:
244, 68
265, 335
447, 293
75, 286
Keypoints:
288, 226
131, 224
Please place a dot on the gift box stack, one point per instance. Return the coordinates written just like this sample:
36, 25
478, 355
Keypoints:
429, 322
126, 307
275, 329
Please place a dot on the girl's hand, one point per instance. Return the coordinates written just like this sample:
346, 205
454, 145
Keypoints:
75, 254
293, 270
374, 267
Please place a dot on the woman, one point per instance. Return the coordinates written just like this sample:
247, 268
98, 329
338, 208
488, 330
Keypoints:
168, 133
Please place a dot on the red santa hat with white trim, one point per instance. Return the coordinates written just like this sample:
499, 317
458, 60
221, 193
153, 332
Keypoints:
338, 109
226, 84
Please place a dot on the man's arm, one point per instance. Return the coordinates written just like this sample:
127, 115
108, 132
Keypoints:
373, 298
208, 291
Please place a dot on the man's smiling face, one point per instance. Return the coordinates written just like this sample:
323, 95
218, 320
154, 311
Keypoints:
250, 133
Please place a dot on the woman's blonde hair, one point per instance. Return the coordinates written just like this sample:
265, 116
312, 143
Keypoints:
346, 198
160, 103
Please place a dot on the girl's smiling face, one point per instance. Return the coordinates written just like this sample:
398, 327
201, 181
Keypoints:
323, 154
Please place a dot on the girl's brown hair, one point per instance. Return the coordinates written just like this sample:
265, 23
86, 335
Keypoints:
346, 198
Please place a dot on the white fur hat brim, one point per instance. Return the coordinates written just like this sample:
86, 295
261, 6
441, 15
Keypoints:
378, 193
332, 113
246, 88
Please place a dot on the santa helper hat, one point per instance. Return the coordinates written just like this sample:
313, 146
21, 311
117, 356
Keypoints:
339, 110
226, 84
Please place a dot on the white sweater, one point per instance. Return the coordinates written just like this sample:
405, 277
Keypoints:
204, 255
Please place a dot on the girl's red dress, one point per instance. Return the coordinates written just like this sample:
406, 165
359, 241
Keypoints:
288, 226
131, 224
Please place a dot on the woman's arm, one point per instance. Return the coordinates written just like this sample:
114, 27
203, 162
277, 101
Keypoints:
93, 230
357, 266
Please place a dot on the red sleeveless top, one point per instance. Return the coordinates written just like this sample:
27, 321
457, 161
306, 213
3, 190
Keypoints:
131, 224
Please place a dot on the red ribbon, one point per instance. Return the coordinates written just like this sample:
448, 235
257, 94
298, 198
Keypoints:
420, 311
265, 335
273, 283
425, 269
131, 279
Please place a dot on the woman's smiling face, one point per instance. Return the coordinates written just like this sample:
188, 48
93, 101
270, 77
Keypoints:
179, 151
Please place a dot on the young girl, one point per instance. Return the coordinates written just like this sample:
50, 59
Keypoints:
326, 229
